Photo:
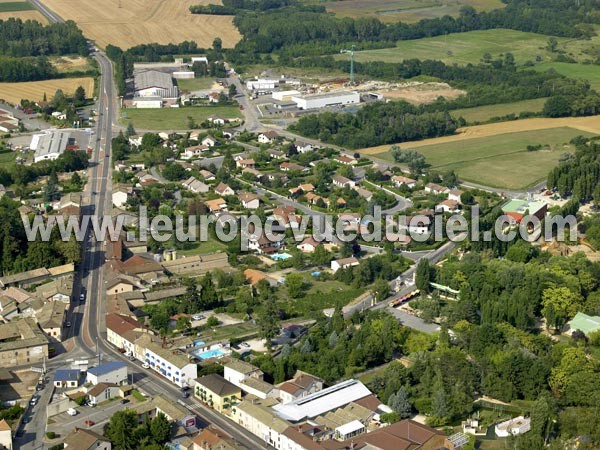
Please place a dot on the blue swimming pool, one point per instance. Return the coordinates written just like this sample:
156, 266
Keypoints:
281, 256
216, 353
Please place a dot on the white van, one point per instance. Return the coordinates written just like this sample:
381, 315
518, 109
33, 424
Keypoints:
72, 411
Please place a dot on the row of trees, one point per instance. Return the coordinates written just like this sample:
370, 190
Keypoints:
25, 69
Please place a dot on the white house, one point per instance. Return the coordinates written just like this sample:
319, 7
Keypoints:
173, 365
434, 188
194, 185
268, 137
454, 194
67, 378
249, 200
399, 180
121, 194
210, 141
448, 206
224, 190
343, 263
342, 182
110, 372
518, 425
5, 435
308, 245
102, 392
304, 147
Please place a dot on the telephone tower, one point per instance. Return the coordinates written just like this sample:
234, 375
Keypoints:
351, 52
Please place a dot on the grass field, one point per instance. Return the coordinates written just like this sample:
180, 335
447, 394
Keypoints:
66, 64
406, 10
210, 246
15, 6
464, 48
134, 22
501, 161
35, 90
195, 84
484, 113
174, 118
587, 72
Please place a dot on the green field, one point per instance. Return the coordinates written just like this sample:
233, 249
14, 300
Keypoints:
485, 113
195, 84
500, 161
405, 10
202, 248
174, 118
587, 72
464, 48
15, 6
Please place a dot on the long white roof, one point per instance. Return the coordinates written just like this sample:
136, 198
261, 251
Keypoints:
323, 401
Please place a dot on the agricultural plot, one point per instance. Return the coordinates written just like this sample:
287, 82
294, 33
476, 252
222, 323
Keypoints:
21, 10
175, 118
35, 90
465, 48
496, 154
133, 22
485, 113
15, 6
406, 10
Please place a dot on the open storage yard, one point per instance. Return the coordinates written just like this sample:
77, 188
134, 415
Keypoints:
35, 90
133, 22
496, 154
407, 10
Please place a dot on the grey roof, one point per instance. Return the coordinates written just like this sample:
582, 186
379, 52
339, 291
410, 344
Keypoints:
107, 367
67, 375
153, 78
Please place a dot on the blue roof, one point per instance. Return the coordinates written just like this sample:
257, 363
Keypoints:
107, 367
67, 375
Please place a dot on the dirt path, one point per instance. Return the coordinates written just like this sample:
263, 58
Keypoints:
589, 124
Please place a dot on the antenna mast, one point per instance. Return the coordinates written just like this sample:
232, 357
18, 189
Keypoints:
351, 52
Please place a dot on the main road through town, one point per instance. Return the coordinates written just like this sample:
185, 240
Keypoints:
89, 328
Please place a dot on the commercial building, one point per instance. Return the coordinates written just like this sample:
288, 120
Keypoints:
22, 342
171, 363
517, 209
50, 144
285, 96
114, 372
261, 84
152, 83
339, 98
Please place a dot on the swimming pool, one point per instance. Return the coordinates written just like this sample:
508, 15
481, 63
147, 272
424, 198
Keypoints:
281, 256
216, 353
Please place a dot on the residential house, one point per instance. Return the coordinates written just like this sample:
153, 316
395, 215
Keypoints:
114, 372
268, 137
313, 199
249, 379
210, 141
245, 163
454, 194
343, 263
276, 154
83, 439
51, 319
207, 175
216, 206
448, 205
67, 378
346, 160
290, 167
254, 276
286, 216
196, 186
214, 439
304, 147
433, 188
308, 245
121, 194
218, 120
342, 182
217, 392
5, 435
249, 200
22, 342
259, 418
263, 245
103, 392
400, 180
300, 386
214, 97
224, 190
8, 308
364, 193
122, 332
171, 363
173, 411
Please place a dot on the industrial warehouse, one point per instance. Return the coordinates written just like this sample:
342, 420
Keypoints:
50, 144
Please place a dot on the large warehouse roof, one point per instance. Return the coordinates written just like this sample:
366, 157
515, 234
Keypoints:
320, 402
153, 78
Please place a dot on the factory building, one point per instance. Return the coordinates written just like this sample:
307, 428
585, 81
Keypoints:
152, 83
338, 98
50, 144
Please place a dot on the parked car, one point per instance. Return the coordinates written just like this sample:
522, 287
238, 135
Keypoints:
34, 400
146, 366
72, 411
68, 324
198, 317
82, 296
89, 423
124, 400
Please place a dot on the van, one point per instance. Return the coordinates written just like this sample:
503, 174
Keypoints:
72, 411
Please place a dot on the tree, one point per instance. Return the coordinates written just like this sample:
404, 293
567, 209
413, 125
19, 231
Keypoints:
130, 131
174, 172
268, 322
423, 275
79, 97
120, 430
559, 305
217, 44
400, 403
212, 321
294, 284
160, 428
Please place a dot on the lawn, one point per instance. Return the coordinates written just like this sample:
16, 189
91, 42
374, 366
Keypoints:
587, 72
406, 10
464, 48
485, 113
501, 161
175, 118
202, 248
195, 84
15, 6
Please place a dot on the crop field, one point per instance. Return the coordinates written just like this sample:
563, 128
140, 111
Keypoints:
496, 154
35, 90
20, 10
406, 10
174, 118
15, 6
484, 113
464, 48
587, 72
133, 22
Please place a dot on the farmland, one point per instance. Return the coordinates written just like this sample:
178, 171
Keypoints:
174, 118
15, 6
406, 10
587, 72
35, 90
485, 113
464, 48
134, 22
21, 10
496, 154
196, 84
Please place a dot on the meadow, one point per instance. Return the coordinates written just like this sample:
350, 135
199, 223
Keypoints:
174, 118
133, 22
15, 6
20, 10
499, 160
586, 72
485, 113
406, 10
465, 48
35, 90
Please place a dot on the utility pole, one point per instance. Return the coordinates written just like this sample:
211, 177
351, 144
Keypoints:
351, 52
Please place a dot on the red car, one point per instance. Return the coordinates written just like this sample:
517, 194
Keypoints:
89, 423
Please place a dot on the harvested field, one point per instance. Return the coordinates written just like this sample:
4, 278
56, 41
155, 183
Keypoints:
133, 22
422, 93
24, 15
406, 10
35, 90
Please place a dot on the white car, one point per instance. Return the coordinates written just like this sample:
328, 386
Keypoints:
197, 317
82, 296
72, 412
146, 366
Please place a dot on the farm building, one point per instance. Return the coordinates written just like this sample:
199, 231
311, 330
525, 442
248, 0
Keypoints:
315, 101
152, 83
50, 144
